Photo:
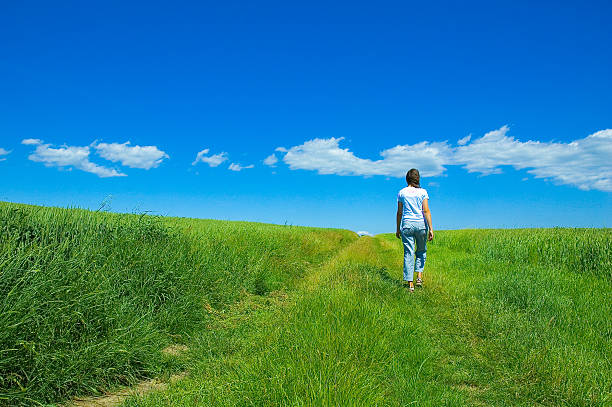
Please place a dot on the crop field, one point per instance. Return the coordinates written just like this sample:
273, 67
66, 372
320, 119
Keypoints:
270, 315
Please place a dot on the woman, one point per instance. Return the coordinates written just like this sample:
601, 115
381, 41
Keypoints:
413, 226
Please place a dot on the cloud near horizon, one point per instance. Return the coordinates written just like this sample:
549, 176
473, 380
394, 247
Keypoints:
589, 158
68, 156
3, 153
212, 160
218, 159
238, 167
271, 160
144, 157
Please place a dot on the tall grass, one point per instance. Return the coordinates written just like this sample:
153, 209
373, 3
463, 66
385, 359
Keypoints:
494, 330
281, 315
88, 300
585, 251
532, 322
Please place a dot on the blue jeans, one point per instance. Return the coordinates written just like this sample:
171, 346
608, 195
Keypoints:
414, 238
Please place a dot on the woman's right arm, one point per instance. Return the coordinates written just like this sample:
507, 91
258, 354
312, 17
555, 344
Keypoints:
398, 220
427, 214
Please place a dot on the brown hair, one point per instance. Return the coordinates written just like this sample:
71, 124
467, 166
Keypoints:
413, 178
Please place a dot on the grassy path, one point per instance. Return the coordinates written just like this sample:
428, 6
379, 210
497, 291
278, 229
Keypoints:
347, 333
277, 315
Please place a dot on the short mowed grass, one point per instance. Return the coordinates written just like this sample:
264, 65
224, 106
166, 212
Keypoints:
277, 315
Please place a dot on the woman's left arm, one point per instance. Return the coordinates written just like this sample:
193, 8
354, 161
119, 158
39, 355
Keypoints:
427, 214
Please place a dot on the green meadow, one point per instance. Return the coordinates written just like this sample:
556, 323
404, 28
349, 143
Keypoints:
281, 315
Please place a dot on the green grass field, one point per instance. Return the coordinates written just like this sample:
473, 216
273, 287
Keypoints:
279, 315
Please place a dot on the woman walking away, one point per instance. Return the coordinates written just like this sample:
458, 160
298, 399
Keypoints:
413, 226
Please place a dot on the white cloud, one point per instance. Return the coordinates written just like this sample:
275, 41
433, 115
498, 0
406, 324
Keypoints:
463, 141
200, 155
326, 157
583, 163
281, 149
213, 160
31, 141
3, 152
144, 157
271, 160
217, 159
238, 167
68, 156
364, 233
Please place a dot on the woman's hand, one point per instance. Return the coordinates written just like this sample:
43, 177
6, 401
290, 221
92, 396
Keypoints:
397, 234
430, 235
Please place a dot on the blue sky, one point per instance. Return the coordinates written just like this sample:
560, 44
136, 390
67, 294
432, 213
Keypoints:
506, 107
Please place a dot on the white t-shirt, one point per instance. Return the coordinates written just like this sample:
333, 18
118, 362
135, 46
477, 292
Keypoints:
412, 202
